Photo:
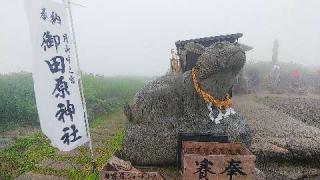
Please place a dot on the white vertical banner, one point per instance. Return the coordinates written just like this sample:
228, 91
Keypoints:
55, 75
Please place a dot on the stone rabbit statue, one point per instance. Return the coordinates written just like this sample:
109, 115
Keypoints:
170, 105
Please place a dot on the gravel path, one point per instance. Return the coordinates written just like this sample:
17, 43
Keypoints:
279, 137
302, 108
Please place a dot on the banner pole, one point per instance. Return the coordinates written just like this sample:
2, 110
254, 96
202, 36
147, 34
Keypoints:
81, 85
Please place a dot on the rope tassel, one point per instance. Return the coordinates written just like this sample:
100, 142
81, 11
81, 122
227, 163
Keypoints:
221, 105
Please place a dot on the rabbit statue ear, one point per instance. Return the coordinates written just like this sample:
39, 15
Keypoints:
244, 47
195, 48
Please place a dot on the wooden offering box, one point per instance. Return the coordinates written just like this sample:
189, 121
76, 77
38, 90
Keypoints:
217, 161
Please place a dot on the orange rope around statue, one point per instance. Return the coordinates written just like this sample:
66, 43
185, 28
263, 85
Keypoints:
221, 105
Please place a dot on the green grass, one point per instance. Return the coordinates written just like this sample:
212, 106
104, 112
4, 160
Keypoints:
114, 145
23, 155
17, 103
101, 119
103, 95
106, 94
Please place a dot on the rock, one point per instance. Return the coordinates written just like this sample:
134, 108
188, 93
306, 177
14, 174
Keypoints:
118, 164
169, 105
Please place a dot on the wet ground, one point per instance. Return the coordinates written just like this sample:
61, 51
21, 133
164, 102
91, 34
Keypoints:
6, 138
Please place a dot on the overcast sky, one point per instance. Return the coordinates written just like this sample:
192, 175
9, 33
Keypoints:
134, 37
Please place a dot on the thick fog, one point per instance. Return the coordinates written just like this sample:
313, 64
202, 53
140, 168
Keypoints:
134, 37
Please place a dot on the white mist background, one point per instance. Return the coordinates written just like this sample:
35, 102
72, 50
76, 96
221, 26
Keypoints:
126, 37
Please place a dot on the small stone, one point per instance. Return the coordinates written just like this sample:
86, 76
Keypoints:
278, 149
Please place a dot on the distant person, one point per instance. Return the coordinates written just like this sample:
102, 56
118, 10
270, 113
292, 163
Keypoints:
275, 76
254, 79
295, 74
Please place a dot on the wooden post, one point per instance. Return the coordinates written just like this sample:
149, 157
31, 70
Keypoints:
68, 4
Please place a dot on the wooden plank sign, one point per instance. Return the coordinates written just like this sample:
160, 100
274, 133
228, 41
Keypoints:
118, 169
128, 175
